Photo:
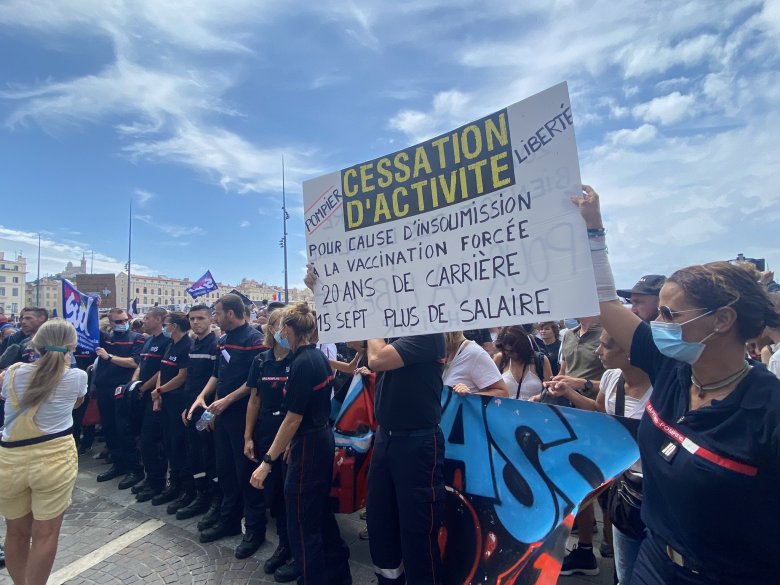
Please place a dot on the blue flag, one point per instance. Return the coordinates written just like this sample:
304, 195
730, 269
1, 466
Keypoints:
81, 311
204, 285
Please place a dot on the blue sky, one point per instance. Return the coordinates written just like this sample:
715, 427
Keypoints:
187, 107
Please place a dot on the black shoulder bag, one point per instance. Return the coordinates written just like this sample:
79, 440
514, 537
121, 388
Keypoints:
624, 503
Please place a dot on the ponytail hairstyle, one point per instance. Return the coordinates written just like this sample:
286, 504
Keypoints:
301, 319
54, 340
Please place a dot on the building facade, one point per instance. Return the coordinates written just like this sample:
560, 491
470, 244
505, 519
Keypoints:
46, 293
172, 294
12, 284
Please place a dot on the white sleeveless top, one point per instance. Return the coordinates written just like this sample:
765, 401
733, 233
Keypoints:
531, 384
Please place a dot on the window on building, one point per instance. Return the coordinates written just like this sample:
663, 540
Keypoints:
16, 279
137, 291
159, 291
144, 290
2, 278
2, 291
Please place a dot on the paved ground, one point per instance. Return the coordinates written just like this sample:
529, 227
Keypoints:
101, 514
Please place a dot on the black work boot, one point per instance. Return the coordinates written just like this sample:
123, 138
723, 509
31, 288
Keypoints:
280, 557
220, 530
287, 573
212, 515
200, 504
170, 493
131, 480
149, 492
185, 499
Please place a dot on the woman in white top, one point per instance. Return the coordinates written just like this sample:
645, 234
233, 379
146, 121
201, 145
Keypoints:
38, 459
638, 389
517, 361
469, 368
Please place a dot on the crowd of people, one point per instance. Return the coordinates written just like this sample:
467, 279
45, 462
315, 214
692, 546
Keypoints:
214, 414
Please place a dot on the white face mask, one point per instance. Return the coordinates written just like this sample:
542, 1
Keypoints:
494, 335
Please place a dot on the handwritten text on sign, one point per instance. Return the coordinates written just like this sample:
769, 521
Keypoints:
473, 228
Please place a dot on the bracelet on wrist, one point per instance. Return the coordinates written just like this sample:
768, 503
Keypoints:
596, 232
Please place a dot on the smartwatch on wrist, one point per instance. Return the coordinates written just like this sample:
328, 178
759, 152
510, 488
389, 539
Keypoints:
588, 387
110, 357
267, 459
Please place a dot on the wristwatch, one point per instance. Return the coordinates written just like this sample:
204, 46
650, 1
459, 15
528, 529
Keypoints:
267, 459
110, 357
588, 387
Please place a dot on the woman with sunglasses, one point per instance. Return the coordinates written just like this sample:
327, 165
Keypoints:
710, 436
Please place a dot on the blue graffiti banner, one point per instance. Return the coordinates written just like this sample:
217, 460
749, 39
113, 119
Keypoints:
516, 472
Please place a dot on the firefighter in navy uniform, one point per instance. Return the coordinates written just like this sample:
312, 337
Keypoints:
237, 348
264, 416
119, 353
151, 427
170, 398
202, 462
406, 493
315, 540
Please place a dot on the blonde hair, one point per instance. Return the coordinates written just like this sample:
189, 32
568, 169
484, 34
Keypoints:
452, 341
301, 319
273, 317
50, 340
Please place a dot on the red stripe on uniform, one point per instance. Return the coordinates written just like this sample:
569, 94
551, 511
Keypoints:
695, 449
324, 383
244, 347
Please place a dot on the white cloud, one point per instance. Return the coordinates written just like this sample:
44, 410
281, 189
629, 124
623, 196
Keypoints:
143, 197
173, 230
55, 254
642, 135
450, 108
667, 109
244, 224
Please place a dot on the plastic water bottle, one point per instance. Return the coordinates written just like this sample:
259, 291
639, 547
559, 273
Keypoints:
204, 420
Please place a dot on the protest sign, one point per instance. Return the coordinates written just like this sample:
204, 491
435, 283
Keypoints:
81, 311
473, 228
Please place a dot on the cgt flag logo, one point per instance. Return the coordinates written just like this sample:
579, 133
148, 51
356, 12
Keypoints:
204, 285
81, 311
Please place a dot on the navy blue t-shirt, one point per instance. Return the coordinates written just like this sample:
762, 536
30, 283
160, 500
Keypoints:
177, 356
237, 348
269, 376
409, 398
309, 387
151, 354
124, 344
718, 504
203, 356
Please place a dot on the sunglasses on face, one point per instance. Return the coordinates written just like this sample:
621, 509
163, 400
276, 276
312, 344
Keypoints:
120, 321
668, 314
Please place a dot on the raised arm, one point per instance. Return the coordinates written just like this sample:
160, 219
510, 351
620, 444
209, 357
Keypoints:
620, 324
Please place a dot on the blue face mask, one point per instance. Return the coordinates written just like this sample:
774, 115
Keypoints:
166, 333
669, 340
121, 328
283, 343
571, 323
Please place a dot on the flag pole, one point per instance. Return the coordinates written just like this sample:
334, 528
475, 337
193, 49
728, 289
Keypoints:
284, 237
38, 284
129, 250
